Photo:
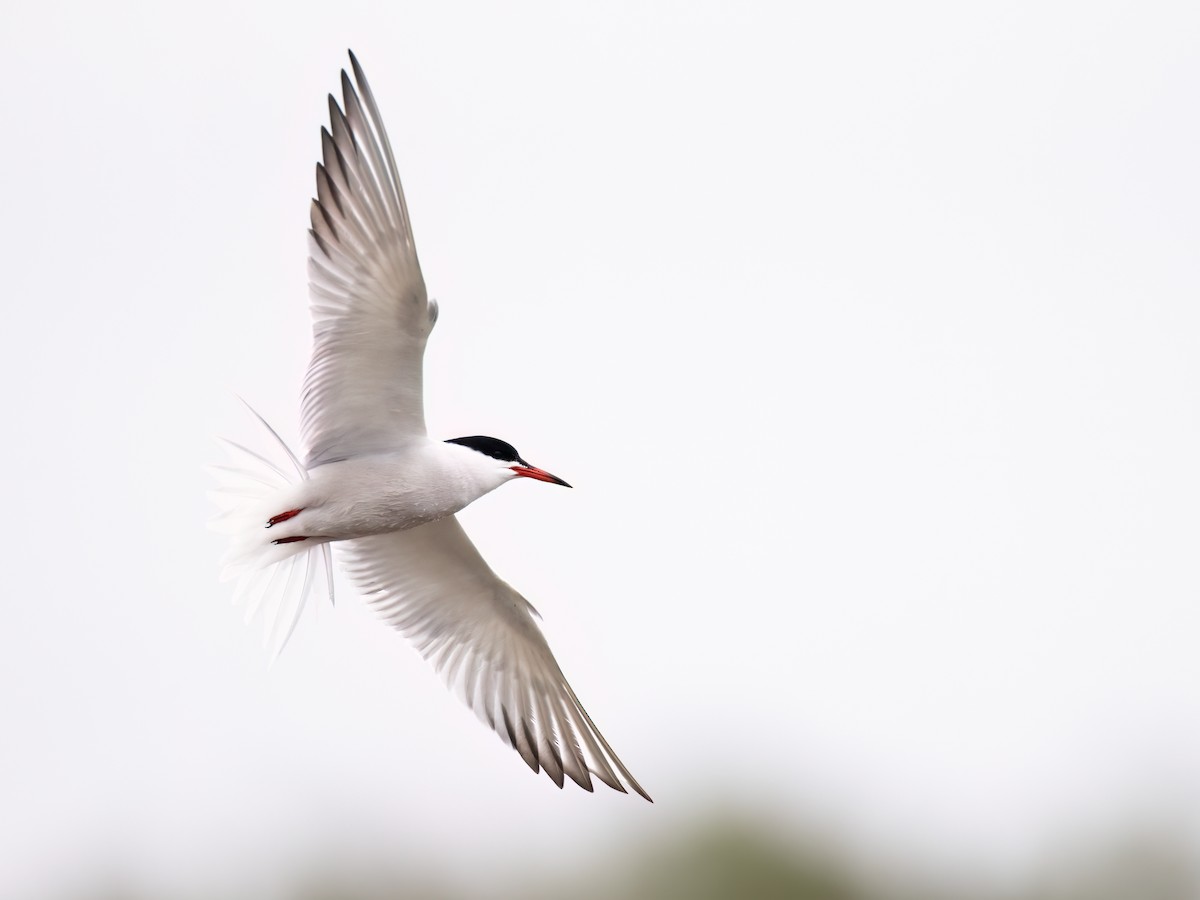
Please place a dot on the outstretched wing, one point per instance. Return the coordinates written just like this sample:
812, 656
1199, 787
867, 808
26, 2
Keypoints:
431, 583
371, 315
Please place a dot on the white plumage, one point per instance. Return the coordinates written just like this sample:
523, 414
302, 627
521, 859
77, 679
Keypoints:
373, 481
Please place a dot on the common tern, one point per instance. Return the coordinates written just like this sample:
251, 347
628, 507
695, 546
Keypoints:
372, 481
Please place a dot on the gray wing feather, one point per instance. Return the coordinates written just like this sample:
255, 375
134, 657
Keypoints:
431, 584
371, 313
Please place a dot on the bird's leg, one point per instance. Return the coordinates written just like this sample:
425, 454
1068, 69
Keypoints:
283, 517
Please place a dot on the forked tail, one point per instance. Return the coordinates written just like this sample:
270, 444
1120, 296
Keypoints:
271, 576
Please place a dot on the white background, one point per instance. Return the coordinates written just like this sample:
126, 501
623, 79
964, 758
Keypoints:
869, 337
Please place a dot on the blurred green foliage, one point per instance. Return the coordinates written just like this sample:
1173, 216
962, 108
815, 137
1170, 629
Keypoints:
726, 857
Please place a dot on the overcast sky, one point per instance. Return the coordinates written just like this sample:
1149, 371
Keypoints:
869, 337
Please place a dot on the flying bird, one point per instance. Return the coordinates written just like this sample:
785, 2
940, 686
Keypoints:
372, 481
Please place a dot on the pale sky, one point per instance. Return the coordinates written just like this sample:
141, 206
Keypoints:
869, 337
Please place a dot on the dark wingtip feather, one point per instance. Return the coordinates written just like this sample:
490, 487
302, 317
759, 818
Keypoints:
315, 210
358, 72
555, 773
320, 241
326, 189
526, 753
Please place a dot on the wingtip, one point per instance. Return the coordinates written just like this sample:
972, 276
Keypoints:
358, 72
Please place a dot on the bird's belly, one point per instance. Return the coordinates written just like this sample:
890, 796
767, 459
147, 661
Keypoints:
353, 517
357, 498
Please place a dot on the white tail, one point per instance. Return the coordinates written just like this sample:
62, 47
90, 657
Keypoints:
276, 578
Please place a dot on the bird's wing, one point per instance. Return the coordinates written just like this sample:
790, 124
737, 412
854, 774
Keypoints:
371, 315
431, 583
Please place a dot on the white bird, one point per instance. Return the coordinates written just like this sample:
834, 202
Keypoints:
374, 482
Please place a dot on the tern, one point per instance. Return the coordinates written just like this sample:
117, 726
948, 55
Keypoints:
372, 481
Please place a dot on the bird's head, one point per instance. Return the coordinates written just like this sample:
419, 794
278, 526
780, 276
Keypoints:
497, 459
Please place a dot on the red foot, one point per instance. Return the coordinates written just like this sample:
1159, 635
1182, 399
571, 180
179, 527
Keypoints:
283, 517
290, 540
